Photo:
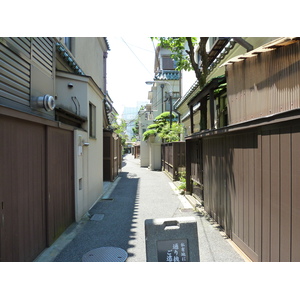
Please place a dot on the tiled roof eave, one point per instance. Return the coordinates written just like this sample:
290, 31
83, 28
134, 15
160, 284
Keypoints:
68, 58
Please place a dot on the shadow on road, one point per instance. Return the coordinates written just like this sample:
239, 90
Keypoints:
116, 229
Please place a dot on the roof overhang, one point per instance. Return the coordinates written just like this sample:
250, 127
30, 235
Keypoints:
280, 42
211, 85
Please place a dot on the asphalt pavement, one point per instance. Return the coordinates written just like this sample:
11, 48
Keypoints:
118, 220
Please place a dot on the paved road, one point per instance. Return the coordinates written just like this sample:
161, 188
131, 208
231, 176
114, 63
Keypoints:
136, 195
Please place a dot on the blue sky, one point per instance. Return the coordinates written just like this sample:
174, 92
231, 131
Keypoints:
130, 64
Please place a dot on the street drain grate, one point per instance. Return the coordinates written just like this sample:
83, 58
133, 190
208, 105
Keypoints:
105, 254
107, 199
97, 217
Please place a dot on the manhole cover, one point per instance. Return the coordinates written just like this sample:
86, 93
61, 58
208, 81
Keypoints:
105, 254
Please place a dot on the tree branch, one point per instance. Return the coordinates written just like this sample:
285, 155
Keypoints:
200, 74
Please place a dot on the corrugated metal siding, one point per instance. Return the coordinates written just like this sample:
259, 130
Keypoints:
15, 70
16, 57
42, 53
264, 85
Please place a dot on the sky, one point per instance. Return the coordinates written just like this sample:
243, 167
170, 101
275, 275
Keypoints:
130, 63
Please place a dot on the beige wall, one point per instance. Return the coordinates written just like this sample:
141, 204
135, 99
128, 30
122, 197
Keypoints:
91, 62
88, 159
95, 164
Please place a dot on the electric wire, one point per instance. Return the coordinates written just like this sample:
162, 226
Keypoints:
136, 56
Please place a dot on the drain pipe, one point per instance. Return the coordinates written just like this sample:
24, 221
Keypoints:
162, 97
243, 43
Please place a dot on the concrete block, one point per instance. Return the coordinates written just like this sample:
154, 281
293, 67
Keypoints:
172, 240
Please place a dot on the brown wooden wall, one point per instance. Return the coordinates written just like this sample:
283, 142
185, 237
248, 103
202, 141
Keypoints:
22, 190
36, 190
60, 182
112, 156
251, 187
173, 158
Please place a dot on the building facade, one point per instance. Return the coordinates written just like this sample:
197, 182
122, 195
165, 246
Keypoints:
245, 171
166, 82
52, 107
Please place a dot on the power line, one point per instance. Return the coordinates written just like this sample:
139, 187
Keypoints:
136, 56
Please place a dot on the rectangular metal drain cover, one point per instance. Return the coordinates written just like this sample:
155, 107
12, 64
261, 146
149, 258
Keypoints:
97, 217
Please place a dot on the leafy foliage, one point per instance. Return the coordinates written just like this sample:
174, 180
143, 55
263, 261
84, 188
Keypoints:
177, 46
161, 127
171, 134
119, 127
148, 133
183, 49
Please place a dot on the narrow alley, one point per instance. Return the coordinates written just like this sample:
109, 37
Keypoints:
117, 220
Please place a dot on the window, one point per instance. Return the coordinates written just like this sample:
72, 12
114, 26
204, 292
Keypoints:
68, 43
167, 63
92, 120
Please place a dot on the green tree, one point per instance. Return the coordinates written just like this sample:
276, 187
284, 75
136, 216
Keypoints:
161, 127
119, 127
185, 58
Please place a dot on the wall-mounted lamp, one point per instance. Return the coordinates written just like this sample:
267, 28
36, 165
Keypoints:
70, 85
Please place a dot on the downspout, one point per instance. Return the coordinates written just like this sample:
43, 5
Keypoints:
162, 97
104, 71
243, 43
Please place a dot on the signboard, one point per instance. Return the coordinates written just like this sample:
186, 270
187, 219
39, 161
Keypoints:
172, 240
172, 251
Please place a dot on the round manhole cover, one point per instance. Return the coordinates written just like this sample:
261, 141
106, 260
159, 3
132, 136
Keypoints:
105, 254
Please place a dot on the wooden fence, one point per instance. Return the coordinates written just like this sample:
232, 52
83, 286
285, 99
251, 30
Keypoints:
173, 159
112, 156
251, 187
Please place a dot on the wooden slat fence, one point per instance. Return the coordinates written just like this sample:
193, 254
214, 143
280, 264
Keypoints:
173, 159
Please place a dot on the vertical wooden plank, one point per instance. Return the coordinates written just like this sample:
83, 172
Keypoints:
206, 175
22, 189
60, 182
266, 206
285, 194
188, 168
191, 119
251, 191
295, 251
275, 199
235, 183
240, 186
222, 196
258, 196
230, 186
214, 177
245, 150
